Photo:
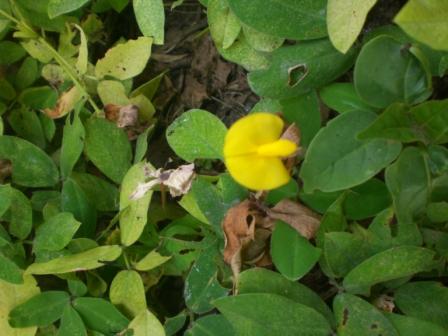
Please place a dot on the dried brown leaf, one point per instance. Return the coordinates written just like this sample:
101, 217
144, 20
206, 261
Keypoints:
385, 302
178, 181
298, 216
239, 230
292, 133
65, 103
128, 116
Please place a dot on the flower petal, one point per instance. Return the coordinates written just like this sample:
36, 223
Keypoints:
279, 148
257, 172
252, 131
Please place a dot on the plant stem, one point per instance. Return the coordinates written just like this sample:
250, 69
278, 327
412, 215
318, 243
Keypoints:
62, 62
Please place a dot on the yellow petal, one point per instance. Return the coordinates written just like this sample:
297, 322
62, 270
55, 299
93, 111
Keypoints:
258, 173
279, 148
248, 133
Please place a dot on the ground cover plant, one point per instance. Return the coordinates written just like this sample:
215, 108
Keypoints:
223, 167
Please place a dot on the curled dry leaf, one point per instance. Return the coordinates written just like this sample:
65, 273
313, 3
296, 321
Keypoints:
123, 116
239, 230
298, 216
248, 227
178, 181
385, 302
292, 133
65, 104
5, 169
258, 248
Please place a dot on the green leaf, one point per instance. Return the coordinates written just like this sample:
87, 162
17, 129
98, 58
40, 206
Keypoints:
55, 233
386, 72
100, 315
112, 92
197, 134
76, 287
31, 166
125, 60
40, 310
333, 220
149, 89
408, 181
27, 74
304, 111
394, 123
426, 123
128, 293
7, 91
342, 97
343, 251
432, 119
437, 212
261, 41
27, 125
72, 144
82, 61
134, 213
336, 160
288, 191
394, 263
206, 204
108, 147
292, 254
367, 200
296, 20
358, 317
261, 280
426, 300
71, 323
150, 261
87, 260
146, 324
425, 21
9, 271
48, 126
141, 146
406, 325
20, 211
74, 200
224, 29
118, 5
39, 98
270, 314
13, 295
176, 323
214, 324
178, 244
150, 16
11, 52
201, 285
345, 19
297, 69
59, 7
99, 192
438, 159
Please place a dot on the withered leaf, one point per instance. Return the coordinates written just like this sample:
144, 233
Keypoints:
298, 216
239, 230
65, 104
385, 302
123, 116
292, 133
177, 180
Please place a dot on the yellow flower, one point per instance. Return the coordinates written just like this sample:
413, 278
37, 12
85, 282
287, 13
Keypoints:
253, 151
